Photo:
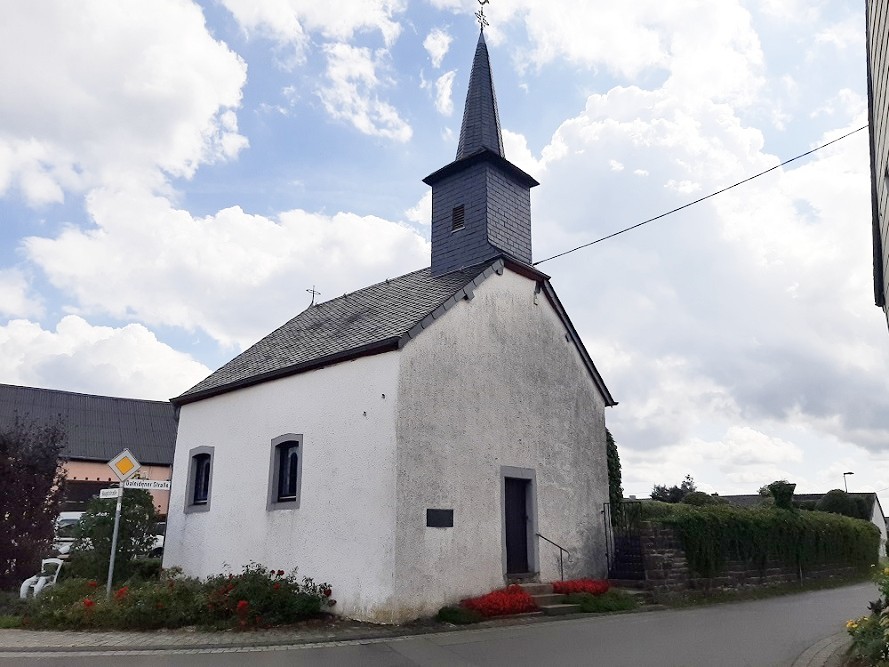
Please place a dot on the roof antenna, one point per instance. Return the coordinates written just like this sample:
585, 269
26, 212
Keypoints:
480, 14
314, 293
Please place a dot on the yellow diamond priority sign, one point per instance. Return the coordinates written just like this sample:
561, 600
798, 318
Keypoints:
124, 465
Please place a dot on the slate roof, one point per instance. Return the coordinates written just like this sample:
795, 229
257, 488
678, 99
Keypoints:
373, 319
481, 121
98, 427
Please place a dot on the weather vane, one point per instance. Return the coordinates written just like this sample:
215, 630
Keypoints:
480, 14
314, 293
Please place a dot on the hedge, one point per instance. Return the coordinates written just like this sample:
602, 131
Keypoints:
711, 535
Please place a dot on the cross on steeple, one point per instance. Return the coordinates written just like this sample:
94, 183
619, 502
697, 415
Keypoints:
314, 293
480, 14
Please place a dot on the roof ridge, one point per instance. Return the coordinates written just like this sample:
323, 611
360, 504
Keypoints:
83, 393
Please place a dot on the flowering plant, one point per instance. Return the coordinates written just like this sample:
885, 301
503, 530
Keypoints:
510, 600
870, 634
591, 586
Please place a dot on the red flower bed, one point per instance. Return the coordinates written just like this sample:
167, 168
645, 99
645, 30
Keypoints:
591, 586
510, 600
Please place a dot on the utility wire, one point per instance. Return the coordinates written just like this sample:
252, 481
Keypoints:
698, 201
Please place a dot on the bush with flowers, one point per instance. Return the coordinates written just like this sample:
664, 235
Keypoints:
870, 634
510, 600
590, 586
256, 597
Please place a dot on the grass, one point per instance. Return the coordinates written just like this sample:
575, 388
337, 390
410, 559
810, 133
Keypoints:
610, 601
10, 622
458, 616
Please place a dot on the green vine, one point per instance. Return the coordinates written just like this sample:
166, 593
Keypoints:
712, 535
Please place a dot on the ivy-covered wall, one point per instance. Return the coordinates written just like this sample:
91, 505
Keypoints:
703, 547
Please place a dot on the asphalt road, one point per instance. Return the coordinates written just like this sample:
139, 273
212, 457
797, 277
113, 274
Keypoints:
761, 633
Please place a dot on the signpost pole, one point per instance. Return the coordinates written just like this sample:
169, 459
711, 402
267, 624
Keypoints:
114, 543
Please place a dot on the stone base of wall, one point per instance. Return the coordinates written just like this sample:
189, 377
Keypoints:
667, 571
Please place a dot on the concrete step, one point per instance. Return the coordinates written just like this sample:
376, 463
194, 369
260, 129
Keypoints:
537, 589
548, 599
560, 609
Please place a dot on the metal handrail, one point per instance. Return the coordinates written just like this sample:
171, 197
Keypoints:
561, 551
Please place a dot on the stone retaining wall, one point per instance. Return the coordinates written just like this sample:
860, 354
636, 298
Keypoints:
667, 571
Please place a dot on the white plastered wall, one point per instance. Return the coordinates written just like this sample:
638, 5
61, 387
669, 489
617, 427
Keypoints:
494, 383
343, 530
879, 520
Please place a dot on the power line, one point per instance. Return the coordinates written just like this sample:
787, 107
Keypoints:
698, 201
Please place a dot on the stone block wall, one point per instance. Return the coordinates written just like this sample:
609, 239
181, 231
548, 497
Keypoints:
667, 570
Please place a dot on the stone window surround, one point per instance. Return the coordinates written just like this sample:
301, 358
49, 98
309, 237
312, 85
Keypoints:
190, 506
272, 502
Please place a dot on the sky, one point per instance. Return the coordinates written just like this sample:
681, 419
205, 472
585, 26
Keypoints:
175, 175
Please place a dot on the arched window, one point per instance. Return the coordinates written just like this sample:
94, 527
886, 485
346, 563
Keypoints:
285, 472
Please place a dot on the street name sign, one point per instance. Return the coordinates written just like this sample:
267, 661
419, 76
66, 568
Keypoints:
124, 465
147, 484
109, 493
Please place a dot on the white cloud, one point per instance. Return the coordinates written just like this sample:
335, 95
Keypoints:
291, 22
444, 101
437, 43
421, 214
234, 275
615, 165
78, 356
842, 35
152, 80
15, 298
351, 93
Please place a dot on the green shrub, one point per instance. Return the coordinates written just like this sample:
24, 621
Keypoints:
655, 509
10, 622
699, 498
146, 569
92, 548
782, 492
870, 634
11, 604
713, 534
838, 501
611, 601
459, 615
257, 597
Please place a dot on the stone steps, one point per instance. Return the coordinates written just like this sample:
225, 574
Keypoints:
551, 604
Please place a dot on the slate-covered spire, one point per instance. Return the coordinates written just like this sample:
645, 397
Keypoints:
481, 121
481, 202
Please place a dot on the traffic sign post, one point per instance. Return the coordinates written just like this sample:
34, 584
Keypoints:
124, 465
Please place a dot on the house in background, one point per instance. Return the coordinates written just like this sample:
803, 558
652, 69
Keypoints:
871, 503
98, 428
409, 442
877, 18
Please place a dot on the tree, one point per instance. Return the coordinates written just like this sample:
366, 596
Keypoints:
135, 536
838, 501
615, 489
32, 478
673, 494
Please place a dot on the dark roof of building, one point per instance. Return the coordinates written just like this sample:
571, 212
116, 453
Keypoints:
373, 320
481, 120
97, 427
751, 500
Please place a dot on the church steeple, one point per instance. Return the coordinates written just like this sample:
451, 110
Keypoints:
481, 121
481, 202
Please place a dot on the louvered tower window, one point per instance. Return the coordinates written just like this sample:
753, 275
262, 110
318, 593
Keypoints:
457, 218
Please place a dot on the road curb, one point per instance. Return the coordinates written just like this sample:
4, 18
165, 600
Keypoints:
826, 653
